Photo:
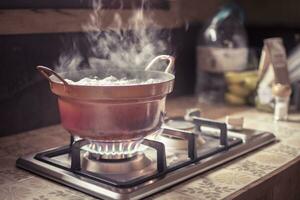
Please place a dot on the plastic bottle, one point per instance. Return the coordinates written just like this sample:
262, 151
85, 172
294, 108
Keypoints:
222, 47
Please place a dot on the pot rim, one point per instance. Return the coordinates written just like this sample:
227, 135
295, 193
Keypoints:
115, 92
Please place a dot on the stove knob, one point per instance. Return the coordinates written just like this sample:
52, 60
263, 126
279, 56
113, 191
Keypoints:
234, 123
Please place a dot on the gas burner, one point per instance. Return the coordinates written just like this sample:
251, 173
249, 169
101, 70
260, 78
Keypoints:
173, 142
186, 124
176, 155
112, 151
135, 166
180, 123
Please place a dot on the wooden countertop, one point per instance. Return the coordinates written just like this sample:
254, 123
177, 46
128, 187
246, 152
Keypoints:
270, 173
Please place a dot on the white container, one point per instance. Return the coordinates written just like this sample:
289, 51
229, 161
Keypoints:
281, 108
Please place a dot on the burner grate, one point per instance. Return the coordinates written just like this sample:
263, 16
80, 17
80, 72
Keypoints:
172, 165
74, 150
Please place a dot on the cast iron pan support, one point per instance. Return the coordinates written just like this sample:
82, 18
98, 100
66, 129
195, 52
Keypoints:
75, 154
160, 154
186, 135
158, 146
162, 168
213, 124
72, 140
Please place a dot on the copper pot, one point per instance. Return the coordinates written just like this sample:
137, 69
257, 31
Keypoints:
112, 113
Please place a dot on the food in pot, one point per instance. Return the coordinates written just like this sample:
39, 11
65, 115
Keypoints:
111, 81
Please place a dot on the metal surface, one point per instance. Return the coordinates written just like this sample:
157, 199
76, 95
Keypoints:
252, 140
136, 166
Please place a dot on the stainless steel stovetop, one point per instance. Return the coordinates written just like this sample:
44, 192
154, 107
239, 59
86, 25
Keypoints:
173, 156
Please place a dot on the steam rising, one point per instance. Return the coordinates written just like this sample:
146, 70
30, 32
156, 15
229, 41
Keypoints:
127, 43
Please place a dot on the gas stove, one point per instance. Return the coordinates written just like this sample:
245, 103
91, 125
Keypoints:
186, 147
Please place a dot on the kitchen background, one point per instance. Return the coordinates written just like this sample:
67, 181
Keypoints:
36, 32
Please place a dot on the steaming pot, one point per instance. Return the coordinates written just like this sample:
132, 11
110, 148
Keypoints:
117, 117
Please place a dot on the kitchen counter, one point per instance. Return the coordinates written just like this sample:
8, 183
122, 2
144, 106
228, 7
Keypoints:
273, 172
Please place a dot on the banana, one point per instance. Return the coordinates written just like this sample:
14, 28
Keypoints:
240, 86
234, 100
251, 82
239, 77
239, 90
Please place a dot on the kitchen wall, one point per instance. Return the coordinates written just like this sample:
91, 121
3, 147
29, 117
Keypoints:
36, 33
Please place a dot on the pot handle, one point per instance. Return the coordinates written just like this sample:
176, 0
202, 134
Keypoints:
47, 72
170, 66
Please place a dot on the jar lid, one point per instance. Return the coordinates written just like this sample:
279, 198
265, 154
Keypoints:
281, 90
